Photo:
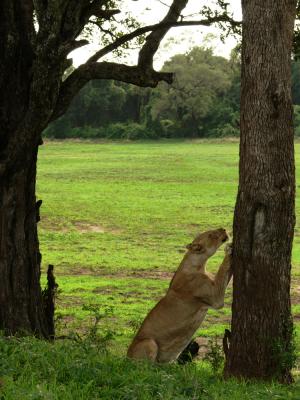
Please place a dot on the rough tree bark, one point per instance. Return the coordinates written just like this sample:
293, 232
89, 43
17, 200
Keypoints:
260, 343
27, 92
36, 37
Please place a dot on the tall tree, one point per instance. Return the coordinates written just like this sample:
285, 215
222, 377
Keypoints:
36, 37
260, 344
204, 100
202, 81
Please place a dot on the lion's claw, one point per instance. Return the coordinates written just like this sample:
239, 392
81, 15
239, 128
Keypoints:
228, 249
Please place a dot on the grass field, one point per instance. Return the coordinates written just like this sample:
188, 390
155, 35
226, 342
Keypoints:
116, 218
115, 221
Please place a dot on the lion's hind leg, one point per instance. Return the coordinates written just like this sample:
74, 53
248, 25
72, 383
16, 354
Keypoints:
145, 349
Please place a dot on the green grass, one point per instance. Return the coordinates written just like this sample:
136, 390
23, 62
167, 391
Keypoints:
118, 207
78, 371
120, 214
147, 201
115, 221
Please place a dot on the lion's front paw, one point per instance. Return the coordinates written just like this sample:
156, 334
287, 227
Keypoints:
228, 249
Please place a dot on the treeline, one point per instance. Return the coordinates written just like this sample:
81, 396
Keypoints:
202, 102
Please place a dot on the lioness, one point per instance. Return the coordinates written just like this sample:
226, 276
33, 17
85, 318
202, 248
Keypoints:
169, 326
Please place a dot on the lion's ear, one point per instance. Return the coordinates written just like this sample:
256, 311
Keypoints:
195, 247
198, 248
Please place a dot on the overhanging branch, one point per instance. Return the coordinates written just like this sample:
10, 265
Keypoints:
153, 40
149, 28
105, 14
96, 8
106, 70
141, 75
72, 45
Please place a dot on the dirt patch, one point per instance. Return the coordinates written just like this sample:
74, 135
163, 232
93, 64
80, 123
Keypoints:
78, 290
69, 301
152, 274
84, 227
102, 271
130, 297
163, 275
217, 319
194, 225
295, 290
79, 271
52, 225
79, 226
66, 319
104, 290
204, 345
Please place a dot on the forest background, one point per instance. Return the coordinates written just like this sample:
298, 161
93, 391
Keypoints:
202, 102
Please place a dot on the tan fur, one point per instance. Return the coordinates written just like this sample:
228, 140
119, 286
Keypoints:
170, 325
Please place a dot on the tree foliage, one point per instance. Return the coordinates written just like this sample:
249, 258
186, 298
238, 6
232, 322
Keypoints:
202, 101
198, 102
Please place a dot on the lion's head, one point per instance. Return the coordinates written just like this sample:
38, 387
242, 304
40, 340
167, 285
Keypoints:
208, 242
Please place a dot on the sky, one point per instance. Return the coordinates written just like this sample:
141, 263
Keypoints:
178, 40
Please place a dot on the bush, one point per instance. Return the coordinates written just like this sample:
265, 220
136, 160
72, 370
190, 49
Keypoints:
58, 129
215, 356
170, 128
86, 132
297, 120
226, 130
61, 129
128, 131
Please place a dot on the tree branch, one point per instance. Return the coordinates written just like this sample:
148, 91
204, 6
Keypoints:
140, 31
105, 70
143, 74
105, 14
40, 8
95, 8
65, 49
26, 19
153, 40
106, 31
78, 13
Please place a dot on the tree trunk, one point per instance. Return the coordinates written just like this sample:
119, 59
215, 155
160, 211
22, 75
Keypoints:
28, 89
21, 305
260, 344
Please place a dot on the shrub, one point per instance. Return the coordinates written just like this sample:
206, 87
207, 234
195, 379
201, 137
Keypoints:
297, 120
128, 131
170, 128
58, 129
215, 355
227, 130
